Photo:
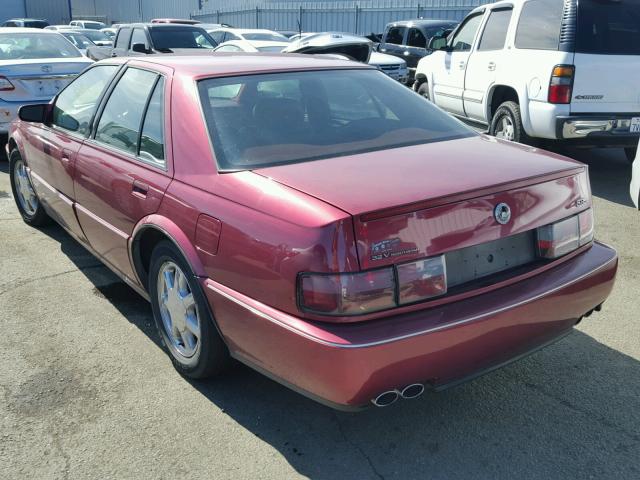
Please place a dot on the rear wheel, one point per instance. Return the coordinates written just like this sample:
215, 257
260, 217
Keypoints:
630, 153
27, 201
507, 124
182, 315
424, 90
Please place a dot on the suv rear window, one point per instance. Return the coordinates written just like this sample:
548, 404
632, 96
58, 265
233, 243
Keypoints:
539, 25
271, 119
608, 27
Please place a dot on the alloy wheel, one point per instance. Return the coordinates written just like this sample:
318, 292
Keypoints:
506, 129
24, 189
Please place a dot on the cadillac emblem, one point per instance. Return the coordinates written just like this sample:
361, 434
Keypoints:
502, 213
46, 68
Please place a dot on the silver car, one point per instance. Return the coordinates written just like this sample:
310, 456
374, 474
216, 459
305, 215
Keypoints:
34, 66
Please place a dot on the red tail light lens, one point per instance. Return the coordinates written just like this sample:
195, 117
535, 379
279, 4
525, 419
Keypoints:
561, 84
563, 237
421, 280
348, 294
5, 84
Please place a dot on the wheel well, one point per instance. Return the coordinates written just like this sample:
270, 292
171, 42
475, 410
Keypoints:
141, 251
500, 95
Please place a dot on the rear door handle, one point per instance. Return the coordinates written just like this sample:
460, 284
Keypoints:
491, 67
139, 189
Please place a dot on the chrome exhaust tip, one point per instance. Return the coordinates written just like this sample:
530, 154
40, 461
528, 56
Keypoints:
412, 391
386, 398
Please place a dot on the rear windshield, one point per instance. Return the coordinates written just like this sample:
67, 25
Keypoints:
267, 37
19, 46
168, 38
609, 27
36, 24
262, 120
93, 25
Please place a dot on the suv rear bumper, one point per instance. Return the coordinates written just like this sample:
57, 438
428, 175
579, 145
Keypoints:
597, 130
347, 365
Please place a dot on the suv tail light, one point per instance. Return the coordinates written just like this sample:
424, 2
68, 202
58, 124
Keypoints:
565, 236
5, 84
561, 84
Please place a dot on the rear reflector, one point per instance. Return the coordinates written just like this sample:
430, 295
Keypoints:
561, 84
421, 280
563, 237
5, 84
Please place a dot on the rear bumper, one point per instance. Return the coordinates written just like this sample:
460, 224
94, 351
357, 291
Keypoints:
347, 365
597, 130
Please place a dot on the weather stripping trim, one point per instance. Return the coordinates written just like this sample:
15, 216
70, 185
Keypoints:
224, 291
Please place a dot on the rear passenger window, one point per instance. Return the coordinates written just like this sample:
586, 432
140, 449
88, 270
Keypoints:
121, 118
395, 35
124, 34
152, 138
495, 31
539, 25
416, 39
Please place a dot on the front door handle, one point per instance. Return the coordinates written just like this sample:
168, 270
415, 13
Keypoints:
491, 67
139, 189
461, 65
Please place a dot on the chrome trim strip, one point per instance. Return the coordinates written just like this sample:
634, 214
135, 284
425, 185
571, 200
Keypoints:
413, 334
102, 222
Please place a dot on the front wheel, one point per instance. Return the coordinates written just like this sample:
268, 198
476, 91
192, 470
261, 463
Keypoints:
182, 315
507, 124
423, 90
27, 201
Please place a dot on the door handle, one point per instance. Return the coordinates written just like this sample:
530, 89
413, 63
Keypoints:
491, 67
114, 54
65, 157
461, 65
139, 189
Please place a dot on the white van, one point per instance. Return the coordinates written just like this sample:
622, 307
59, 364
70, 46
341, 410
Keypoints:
548, 69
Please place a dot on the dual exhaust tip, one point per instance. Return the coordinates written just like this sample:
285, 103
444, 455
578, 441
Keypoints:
390, 397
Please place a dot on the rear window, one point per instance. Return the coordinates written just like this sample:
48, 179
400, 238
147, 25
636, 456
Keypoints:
263, 120
267, 37
539, 25
168, 38
25, 46
36, 24
395, 35
609, 27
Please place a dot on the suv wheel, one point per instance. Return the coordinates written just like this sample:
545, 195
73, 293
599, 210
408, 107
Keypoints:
507, 124
423, 90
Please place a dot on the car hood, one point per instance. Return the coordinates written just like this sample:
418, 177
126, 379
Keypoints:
378, 58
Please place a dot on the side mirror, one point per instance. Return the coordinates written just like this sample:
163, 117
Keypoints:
139, 48
438, 43
34, 113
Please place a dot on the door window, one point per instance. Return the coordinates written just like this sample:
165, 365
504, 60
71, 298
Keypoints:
395, 35
119, 125
495, 31
139, 37
152, 137
539, 25
217, 36
122, 41
463, 38
77, 103
416, 39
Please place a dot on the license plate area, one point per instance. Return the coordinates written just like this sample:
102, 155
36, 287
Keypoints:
478, 261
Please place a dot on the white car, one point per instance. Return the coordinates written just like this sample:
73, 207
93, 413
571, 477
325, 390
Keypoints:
542, 69
90, 24
35, 65
635, 181
251, 46
226, 34
79, 40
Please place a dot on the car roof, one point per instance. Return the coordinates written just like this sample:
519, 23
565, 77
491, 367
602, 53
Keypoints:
240, 63
162, 25
424, 22
25, 20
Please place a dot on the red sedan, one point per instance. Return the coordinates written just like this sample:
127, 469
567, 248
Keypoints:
313, 219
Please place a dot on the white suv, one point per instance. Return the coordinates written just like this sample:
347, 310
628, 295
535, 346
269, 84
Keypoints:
543, 69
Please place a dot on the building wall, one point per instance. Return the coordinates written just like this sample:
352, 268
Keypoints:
56, 12
11, 9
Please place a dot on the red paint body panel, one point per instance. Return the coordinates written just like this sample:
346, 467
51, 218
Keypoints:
248, 235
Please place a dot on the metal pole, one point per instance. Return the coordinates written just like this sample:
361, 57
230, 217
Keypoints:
357, 17
217, 16
26, 15
419, 10
70, 10
300, 20
257, 17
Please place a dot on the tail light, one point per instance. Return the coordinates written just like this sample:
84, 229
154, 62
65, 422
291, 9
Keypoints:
374, 290
565, 236
561, 84
5, 84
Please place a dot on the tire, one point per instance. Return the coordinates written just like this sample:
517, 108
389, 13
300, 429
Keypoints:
507, 124
630, 153
26, 199
205, 357
423, 90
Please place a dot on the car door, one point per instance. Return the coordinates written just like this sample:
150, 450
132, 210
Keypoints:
51, 149
393, 41
123, 169
121, 45
484, 63
449, 69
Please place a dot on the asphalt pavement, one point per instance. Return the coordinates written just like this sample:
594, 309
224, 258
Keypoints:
87, 393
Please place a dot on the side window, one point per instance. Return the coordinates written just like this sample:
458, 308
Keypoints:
217, 36
152, 137
231, 36
539, 25
77, 103
395, 35
495, 31
119, 125
463, 38
229, 48
416, 39
139, 37
122, 41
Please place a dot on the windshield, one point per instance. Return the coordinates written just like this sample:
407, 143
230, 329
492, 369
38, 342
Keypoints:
96, 36
263, 120
265, 36
79, 40
168, 38
19, 46
35, 24
272, 48
609, 27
